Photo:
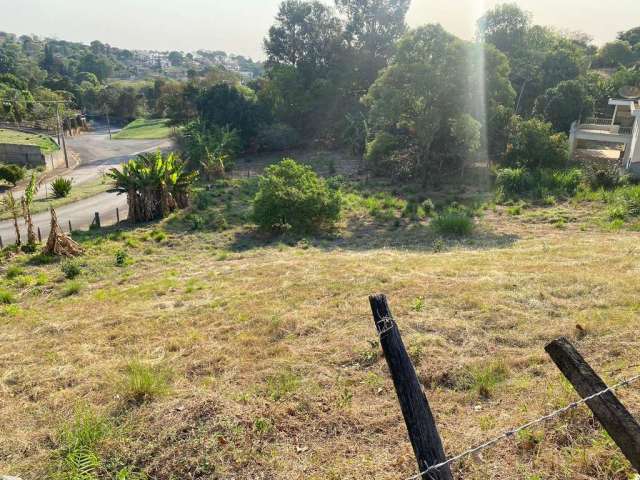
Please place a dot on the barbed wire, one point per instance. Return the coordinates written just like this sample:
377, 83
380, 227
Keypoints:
515, 431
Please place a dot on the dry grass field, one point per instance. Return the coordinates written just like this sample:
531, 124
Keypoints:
197, 349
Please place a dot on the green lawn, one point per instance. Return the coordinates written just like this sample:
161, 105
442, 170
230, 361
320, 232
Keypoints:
144, 129
46, 144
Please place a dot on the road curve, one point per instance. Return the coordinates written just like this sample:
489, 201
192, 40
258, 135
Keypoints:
97, 154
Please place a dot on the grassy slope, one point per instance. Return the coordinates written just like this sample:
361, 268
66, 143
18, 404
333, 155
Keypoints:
274, 364
46, 144
144, 129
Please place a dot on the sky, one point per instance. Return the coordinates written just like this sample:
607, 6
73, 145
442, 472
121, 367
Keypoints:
238, 26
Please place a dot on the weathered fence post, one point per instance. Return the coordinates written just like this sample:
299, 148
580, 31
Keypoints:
39, 236
1, 244
421, 425
96, 220
612, 415
70, 229
117, 215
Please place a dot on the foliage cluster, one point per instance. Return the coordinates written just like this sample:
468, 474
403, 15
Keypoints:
155, 185
292, 197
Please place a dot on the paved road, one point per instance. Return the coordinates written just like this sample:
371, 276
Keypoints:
97, 154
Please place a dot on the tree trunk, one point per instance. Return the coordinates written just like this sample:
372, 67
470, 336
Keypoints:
59, 243
16, 226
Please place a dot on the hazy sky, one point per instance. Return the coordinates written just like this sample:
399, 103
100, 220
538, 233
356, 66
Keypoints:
238, 26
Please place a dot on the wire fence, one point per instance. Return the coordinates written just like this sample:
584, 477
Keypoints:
513, 432
108, 218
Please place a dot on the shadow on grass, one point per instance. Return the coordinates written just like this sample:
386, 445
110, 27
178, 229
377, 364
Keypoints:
361, 235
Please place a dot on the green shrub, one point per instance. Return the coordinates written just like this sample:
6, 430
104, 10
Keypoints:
380, 150
122, 258
292, 196
11, 173
61, 187
277, 137
534, 145
602, 175
70, 268
562, 182
453, 222
513, 182
428, 207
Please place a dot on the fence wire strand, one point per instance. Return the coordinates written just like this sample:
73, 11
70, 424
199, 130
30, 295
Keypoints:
515, 431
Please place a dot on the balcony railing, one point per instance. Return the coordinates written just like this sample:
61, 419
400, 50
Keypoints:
604, 125
598, 121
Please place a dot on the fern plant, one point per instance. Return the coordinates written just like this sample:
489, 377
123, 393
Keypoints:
81, 464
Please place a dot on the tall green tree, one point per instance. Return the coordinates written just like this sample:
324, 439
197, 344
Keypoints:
565, 103
632, 36
306, 35
416, 101
373, 27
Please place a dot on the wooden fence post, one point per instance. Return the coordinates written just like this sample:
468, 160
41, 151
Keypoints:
421, 425
1, 244
96, 220
70, 229
39, 236
612, 415
117, 215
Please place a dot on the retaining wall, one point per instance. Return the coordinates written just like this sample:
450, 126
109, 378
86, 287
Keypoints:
30, 156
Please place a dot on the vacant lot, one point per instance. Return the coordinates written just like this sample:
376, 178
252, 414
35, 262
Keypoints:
144, 129
198, 348
46, 144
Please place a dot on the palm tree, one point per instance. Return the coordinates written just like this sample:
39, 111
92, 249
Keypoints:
155, 185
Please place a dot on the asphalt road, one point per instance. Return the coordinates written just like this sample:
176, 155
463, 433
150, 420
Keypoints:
97, 154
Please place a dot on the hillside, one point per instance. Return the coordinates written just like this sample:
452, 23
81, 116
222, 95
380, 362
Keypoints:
198, 348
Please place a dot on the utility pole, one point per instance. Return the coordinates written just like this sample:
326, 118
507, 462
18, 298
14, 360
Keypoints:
64, 143
106, 111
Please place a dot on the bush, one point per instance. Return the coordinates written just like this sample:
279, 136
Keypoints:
11, 173
602, 175
453, 222
513, 182
277, 137
70, 269
292, 196
380, 150
61, 187
122, 258
534, 145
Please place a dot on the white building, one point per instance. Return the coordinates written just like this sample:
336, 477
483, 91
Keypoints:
623, 129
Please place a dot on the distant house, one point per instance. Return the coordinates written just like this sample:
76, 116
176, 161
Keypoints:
621, 131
